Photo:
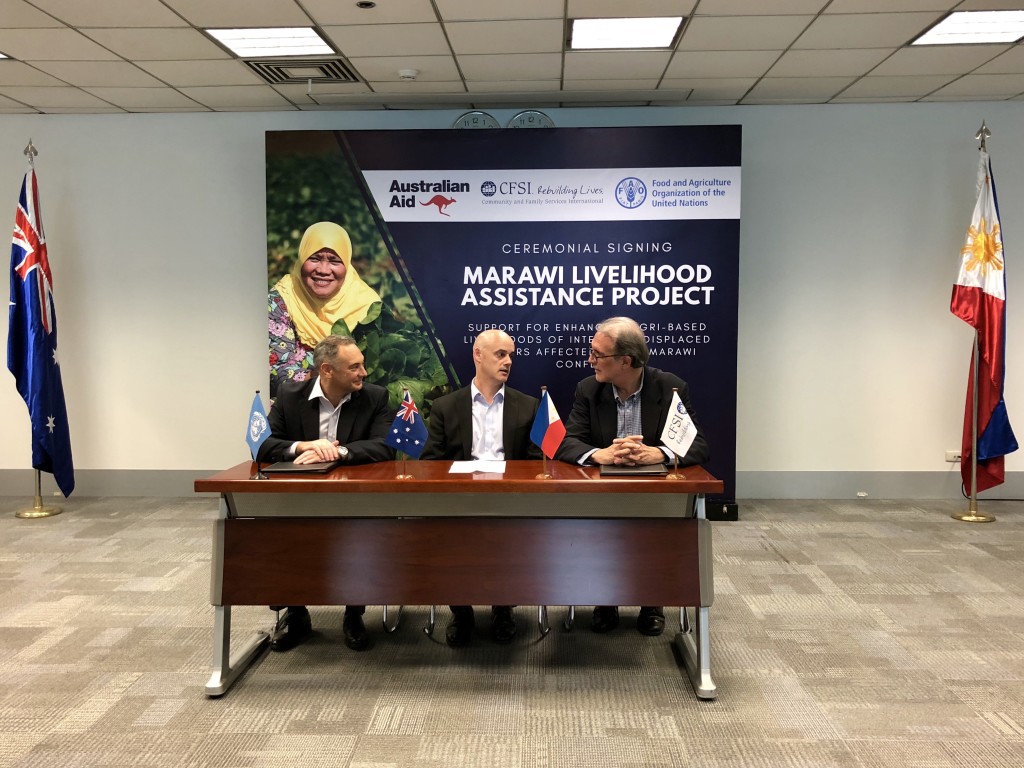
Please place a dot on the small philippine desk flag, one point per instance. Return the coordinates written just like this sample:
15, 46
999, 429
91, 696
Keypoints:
408, 431
548, 431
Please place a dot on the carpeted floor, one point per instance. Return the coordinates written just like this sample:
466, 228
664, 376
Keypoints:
863, 634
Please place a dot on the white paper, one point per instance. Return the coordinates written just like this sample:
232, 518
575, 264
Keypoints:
468, 467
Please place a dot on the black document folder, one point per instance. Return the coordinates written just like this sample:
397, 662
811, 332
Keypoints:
620, 470
291, 468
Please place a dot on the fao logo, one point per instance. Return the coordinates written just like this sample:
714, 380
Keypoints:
630, 192
488, 188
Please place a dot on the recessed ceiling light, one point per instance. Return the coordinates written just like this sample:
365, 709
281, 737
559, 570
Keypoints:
967, 27
283, 41
653, 32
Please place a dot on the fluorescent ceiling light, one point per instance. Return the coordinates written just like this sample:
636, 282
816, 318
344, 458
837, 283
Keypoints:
286, 41
653, 32
968, 27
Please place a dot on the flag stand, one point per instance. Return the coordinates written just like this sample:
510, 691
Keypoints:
544, 474
39, 510
972, 516
403, 475
675, 474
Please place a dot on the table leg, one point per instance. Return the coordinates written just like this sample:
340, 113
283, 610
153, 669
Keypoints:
227, 668
695, 648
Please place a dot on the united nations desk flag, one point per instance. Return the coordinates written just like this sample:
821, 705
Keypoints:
32, 341
547, 431
408, 431
259, 429
979, 299
680, 431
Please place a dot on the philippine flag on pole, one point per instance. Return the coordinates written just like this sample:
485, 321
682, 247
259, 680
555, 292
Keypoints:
979, 299
548, 430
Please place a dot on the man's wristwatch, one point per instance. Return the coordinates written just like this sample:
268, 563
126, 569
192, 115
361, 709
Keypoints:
343, 453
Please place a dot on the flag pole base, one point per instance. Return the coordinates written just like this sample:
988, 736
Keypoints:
543, 476
675, 476
38, 511
972, 517
403, 477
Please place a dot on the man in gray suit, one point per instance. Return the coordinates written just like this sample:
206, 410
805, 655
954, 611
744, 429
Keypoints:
486, 420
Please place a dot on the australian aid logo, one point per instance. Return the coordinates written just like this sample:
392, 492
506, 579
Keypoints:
439, 194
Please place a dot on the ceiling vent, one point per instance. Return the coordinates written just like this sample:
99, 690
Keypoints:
299, 70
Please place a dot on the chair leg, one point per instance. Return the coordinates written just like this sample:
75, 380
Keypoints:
570, 619
429, 629
398, 620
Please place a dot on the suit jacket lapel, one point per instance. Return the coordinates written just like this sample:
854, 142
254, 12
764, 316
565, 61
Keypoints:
464, 422
347, 419
509, 419
608, 416
650, 407
310, 415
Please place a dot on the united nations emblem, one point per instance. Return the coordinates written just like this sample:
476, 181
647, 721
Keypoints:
257, 426
630, 192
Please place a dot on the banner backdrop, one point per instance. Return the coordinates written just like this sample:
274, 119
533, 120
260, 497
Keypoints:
541, 232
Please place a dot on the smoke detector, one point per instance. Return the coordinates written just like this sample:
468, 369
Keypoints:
408, 74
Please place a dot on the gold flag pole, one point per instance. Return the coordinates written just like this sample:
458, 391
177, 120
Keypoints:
38, 509
972, 515
404, 475
544, 474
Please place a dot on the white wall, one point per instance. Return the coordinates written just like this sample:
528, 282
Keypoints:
850, 364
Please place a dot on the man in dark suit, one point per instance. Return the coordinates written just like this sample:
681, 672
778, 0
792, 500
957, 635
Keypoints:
617, 418
486, 420
335, 416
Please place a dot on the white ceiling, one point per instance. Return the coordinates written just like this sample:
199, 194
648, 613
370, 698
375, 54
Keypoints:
77, 56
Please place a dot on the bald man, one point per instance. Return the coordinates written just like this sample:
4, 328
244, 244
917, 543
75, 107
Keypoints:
486, 420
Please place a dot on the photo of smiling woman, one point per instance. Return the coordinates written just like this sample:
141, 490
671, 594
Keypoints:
321, 294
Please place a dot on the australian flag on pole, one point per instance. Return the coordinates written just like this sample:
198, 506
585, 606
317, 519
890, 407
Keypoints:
408, 431
32, 341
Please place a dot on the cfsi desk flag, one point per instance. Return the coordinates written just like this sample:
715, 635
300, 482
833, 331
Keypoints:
979, 299
32, 341
680, 431
408, 432
259, 429
548, 431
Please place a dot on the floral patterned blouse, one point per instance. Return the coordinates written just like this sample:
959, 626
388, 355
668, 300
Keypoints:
290, 359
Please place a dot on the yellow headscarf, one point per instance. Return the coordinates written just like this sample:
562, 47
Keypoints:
313, 317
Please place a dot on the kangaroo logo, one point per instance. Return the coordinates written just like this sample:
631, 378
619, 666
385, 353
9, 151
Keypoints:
441, 202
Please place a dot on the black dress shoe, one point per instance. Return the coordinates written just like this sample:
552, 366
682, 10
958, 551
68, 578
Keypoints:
294, 627
356, 636
460, 629
605, 618
503, 626
651, 621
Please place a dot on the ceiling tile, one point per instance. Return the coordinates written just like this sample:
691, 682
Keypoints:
889, 6
868, 30
512, 67
984, 86
298, 93
51, 45
202, 72
591, 65
606, 84
241, 13
518, 86
389, 40
988, 5
416, 88
41, 98
840, 99
142, 99
712, 88
158, 44
390, 12
834, 63
16, 13
111, 13
432, 68
742, 33
241, 96
474, 10
1009, 63
755, 7
800, 88
534, 36
721, 63
897, 86
18, 73
937, 60
96, 73
613, 9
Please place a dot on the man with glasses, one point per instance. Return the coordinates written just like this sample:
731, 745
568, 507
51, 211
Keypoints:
617, 418
334, 416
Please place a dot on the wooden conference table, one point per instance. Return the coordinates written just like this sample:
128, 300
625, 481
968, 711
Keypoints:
358, 535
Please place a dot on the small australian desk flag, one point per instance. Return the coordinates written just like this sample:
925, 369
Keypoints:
408, 432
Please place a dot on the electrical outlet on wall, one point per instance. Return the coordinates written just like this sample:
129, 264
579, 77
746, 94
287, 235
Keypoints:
953, 456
